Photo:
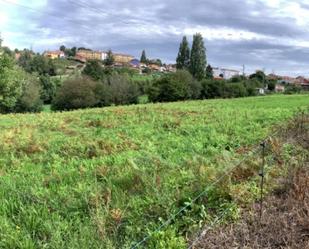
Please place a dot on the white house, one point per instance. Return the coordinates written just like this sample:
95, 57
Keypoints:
225, 73
103, 56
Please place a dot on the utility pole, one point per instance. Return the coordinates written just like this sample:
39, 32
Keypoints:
243, 70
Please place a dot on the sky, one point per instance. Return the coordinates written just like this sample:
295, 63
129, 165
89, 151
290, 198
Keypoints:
270, 35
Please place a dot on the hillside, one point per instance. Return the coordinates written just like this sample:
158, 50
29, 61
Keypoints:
105, 178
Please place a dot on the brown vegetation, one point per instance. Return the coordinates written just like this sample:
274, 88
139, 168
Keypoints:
285, 217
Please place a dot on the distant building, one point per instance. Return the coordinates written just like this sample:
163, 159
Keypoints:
260, 91
104, 56
54, 54
17, 56
89, 54
225, 73
279, 88
286, 80
155, 67
171, 68
122, 58
135, 63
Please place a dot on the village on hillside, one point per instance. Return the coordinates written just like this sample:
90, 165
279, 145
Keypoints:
126, 60
120, 60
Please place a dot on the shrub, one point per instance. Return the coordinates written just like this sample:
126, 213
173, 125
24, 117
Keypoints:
291, 89
119, 90
30, 100
235, 90
212, 89
94, 70
173, 87
76, 93
48, 88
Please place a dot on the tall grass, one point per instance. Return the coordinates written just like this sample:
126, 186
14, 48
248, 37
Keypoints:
104, 178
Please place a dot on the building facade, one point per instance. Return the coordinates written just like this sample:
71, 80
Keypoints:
89, 54
54, 54
122, 58
225, 73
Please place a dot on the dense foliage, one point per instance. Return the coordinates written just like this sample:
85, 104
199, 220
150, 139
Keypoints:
174, 87
76, 93
115, 89
198, 57
143, 57
183, 57
105, 178
19, 91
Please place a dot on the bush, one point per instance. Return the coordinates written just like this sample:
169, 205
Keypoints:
291, 89
212, 89
48, 88
235, 90
176, 86
75, 94
118, 90
30, 100
94, 70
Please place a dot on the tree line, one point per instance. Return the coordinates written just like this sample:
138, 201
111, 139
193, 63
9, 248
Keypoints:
33, 80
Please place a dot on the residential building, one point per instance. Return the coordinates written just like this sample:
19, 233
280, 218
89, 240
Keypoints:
171, 68
260, 91
54, 54
154, 67
279, 88
122, 58
135, 63
17, 56
90, 54
286, 80
301, 80
225, 73
103, 55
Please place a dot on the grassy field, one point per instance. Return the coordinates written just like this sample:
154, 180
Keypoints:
104, 178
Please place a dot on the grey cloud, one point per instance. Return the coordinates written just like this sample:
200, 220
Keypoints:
110, 24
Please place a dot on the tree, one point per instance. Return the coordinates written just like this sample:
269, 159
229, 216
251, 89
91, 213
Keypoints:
25, 59
49, 87
209, 72
259, 76
183, 58
121, 90
173, 87
10, 84
36, 64
143, 57
75, 94
73, 51
19, 91
62, 48
109, 61
30, 100
94, 70
198, 57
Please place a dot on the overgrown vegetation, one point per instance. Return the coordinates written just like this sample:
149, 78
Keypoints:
105, 178
285, 218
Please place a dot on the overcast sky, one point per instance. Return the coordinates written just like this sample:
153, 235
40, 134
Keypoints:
262, 34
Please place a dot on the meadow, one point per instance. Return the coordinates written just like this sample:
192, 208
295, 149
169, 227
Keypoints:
105, 178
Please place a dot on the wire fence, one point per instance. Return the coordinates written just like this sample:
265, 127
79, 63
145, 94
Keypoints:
299, 120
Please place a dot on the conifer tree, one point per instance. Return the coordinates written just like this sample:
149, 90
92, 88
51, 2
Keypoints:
109, 61
209, 72
198, 57
143, 57
183, 58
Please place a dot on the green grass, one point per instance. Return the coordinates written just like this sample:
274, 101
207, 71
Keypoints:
47, 108
104, 178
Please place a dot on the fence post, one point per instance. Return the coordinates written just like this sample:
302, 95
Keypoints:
262, 175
